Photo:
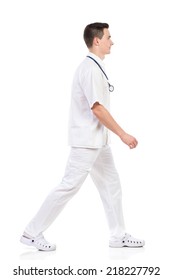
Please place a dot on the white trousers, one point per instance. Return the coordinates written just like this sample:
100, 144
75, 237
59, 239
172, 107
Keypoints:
99, 163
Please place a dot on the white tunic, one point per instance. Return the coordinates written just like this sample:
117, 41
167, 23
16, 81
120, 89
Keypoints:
89, 86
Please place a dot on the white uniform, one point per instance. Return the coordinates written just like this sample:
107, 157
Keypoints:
90, 154
89, 86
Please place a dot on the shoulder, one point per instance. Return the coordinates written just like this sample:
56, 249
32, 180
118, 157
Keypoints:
87, 67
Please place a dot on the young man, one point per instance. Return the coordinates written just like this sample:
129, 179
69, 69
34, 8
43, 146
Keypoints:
90, 122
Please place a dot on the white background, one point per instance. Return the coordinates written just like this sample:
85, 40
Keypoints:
41, 46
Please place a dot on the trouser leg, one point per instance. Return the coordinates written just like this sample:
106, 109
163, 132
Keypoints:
78, 166
107, 181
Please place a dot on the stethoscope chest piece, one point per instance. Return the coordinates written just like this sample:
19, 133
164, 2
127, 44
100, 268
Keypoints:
111, 88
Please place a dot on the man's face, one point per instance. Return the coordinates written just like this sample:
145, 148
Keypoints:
105, 43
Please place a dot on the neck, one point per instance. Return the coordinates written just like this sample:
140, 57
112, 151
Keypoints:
97, 53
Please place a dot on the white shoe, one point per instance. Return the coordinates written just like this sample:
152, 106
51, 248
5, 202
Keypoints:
127, 241
38, 242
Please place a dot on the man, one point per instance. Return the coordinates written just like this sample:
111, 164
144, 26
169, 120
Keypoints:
89, 125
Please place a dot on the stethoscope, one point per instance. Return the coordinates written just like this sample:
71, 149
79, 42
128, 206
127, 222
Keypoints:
111, 87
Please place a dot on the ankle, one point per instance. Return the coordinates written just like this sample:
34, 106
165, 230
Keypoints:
27, 235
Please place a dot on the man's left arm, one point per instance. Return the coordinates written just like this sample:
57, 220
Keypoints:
107, 120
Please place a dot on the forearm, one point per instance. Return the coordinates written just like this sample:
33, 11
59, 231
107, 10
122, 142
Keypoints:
107, 120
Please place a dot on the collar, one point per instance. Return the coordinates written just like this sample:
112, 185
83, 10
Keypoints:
98, 59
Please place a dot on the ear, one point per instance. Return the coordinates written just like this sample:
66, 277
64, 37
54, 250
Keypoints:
96, 41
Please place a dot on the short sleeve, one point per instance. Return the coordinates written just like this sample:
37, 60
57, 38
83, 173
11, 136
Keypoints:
93, 85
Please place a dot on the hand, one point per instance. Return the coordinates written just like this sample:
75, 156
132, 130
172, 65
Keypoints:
129, 140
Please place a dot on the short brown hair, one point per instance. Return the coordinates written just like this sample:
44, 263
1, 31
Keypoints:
93, 30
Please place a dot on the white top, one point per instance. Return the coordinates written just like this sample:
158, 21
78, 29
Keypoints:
89, 86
